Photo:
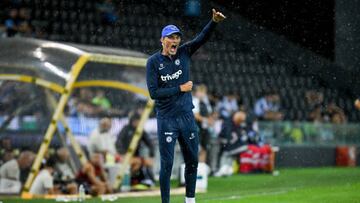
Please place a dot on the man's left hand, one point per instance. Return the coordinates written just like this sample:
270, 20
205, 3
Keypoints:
217, 16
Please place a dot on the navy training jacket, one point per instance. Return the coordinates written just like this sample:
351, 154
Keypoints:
164, 75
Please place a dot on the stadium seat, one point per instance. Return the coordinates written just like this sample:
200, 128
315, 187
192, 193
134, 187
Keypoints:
234, 63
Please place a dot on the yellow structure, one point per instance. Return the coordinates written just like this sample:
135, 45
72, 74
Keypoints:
59, 67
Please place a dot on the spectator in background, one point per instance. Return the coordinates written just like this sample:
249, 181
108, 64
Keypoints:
330, 113
101, 140
62, 166
227, 106
7, 152
10, 172
86, 94
314, 98
334, 114
236, 133
86, 108
93, 176
316, 114
141, 167
81, 104
205, 119
314, 101
11, 169
101, 101
44, 181
24, 26
268, 107
11, 24
64, 177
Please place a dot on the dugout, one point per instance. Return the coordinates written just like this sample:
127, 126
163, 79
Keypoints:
61, 68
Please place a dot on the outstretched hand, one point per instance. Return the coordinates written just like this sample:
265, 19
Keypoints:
217, 16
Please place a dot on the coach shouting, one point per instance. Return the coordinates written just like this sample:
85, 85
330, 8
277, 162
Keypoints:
167, 75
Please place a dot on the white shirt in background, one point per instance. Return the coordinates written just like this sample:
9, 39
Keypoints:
10, 170
42, 183
100, 142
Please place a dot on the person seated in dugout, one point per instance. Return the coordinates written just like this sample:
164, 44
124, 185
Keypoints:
45, 184
101, 139
64, 177
93, 177
10, 172
141, 167
236, 133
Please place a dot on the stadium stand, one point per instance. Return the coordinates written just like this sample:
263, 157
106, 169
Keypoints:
254, 62
243, 65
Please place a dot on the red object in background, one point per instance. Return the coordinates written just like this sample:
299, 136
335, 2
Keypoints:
267, 158
345, 156
246, 162
257, 158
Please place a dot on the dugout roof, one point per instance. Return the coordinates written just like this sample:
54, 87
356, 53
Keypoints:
62, 67
53, 62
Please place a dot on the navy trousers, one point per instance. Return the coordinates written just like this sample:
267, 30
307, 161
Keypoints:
184, 129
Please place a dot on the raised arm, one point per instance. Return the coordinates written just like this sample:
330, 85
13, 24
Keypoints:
205, 34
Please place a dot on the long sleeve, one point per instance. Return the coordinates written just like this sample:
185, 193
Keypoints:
152, 82
201, 38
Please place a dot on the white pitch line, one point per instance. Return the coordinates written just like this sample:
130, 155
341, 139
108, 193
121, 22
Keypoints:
148, 193
250, 195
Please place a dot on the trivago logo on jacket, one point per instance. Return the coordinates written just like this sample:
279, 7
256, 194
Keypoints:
173, 76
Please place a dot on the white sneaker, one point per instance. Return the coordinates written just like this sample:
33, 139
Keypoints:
223, 171
229, 171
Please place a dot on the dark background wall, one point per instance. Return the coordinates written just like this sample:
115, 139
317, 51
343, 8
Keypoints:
330, 28
347, 40
309, 23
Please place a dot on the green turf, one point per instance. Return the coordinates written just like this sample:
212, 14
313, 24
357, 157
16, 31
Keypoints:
292, 185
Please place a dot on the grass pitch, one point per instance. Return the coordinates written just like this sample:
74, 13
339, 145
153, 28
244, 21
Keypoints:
328, 185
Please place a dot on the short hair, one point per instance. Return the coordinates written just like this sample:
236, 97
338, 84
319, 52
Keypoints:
134, 116
201, 87
51, 162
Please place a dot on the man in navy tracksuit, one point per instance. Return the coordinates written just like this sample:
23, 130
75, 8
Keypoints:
167, 75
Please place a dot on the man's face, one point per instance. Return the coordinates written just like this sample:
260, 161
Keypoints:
135, 123
201, 94
96, 159
170, 44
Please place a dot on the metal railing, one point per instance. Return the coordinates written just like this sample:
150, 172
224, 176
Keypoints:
307, 133
276, 133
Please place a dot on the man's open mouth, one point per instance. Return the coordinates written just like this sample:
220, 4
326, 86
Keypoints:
173, 47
